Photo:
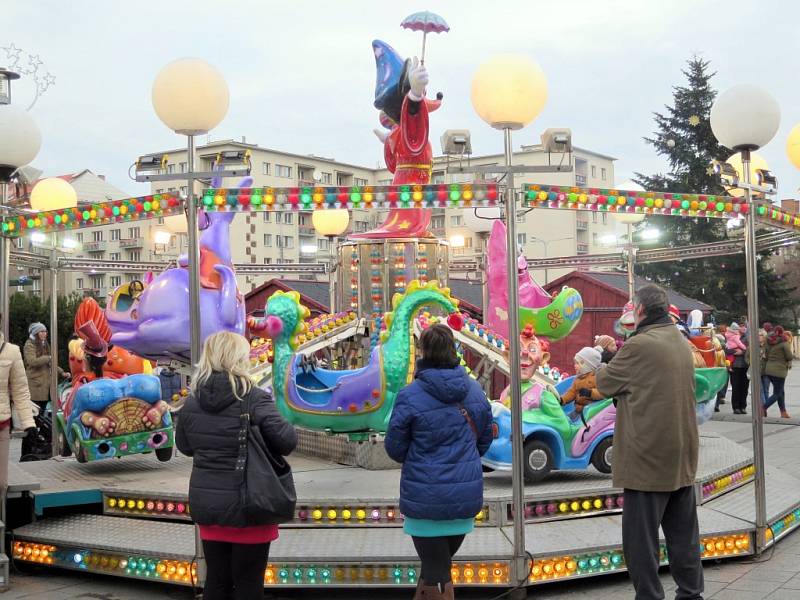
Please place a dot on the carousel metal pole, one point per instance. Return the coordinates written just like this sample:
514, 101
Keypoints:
630, 262
751, 270
517, 472
194, 258
5, 255
55, 441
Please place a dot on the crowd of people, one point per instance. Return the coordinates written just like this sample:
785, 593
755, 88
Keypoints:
440, 427
776, 356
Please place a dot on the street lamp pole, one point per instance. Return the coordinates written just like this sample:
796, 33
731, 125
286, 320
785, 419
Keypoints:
193, 253
5, 255
517, 455
631, 259
751, 271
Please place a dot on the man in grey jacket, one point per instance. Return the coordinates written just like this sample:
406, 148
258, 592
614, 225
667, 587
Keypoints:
656, 448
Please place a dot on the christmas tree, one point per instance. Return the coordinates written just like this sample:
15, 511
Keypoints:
684, 137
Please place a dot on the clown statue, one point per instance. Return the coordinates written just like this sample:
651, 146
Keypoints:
400, 96
532, 356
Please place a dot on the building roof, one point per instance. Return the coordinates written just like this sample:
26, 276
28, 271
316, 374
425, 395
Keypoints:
467, 292
257, 147
619, 282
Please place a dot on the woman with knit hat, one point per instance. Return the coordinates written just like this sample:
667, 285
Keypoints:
36, 354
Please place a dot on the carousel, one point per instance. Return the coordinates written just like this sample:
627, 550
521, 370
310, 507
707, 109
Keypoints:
114, 498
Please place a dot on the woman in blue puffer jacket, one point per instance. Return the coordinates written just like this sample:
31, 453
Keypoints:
440, 427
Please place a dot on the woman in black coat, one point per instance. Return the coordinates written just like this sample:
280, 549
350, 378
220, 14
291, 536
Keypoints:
236, 548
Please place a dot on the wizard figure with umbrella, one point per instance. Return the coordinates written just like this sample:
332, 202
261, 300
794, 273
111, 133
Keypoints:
400, 96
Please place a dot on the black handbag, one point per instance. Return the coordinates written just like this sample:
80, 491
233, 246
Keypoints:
267, 493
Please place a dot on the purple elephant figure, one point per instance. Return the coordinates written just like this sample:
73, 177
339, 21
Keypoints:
153, 320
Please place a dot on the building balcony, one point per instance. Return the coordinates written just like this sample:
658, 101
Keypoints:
131, 243
583, 248
580, 180
582, 225
307, 230
307, 183
93, 246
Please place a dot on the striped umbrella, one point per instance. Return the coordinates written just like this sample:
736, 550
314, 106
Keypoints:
426, 22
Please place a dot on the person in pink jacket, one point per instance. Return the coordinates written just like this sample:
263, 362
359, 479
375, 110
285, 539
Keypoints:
733, 340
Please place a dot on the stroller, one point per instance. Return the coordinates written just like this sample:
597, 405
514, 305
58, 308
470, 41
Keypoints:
40, 448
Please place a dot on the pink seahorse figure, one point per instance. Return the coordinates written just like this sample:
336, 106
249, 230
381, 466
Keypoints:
531, 293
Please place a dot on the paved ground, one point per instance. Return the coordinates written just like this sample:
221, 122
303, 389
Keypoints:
774, 576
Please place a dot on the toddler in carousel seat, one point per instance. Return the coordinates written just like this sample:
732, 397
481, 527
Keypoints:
584, 387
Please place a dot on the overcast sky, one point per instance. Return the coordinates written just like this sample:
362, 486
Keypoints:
301, 72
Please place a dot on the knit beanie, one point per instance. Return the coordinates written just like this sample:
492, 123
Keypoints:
606, 342
35, 328
588, 359
734, 327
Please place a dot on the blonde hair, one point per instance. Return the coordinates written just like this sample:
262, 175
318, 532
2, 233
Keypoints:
228, 353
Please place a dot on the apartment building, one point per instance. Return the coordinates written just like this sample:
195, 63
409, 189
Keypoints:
132, 242
265, 238
276, 238
541, 233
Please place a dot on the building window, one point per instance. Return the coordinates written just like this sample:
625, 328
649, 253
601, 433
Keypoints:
327, 177
384, 182
97, 236
594, 216
268, 240
134, 233
283, 170
360, 182
173, 241
322, 244
18, 243
437, 177
302, 220
288, 241
267, 261
115, 234
116, 256
288, 218
360, 226
170, 168
116, 280
594, 239
456, 220
79, 283
594, 171
603, 173
521, 239
160, 221
605, 218
267, 217
183, 167
265, 168
437, 222
79, 237
98, 281
135, 255
184, 190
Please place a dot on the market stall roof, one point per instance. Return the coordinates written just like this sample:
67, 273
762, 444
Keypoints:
618, 282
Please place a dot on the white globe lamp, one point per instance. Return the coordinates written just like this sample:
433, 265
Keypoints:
330, 223
53, 194
20, 140
190, 96
745, 117
509, 91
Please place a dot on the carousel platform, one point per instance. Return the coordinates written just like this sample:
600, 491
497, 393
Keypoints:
131, 518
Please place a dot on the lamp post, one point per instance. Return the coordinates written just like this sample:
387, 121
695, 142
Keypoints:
53, 194
20, 141
508, 92
331, 223
190, 97
745, 118
630, 219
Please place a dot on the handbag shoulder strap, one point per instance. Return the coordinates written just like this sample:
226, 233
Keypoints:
244, 428
465, 413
